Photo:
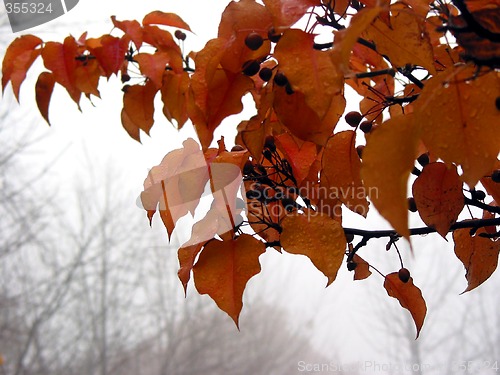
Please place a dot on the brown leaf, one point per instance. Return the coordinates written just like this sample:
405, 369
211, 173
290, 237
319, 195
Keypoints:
286, 12
109, 51
138, 108
409, 297
362, 270
300, 155
174, 95
131, 28
479, 256
168, 19
43, 92
224, 268
316, 236
438, 196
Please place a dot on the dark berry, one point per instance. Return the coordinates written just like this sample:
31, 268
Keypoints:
254, 41
497, 102
415, 171
248, 168
404, 275
351, 266
412, 206
272, 35
269, 143
251, 67
423, 159
125, 78
265, 74
478, 195
288, 89
359, 150
349, 237
268, 154
353, 118
238, 148
366, 126
280, 79
288, 203
253, 194
180, 35
495, 176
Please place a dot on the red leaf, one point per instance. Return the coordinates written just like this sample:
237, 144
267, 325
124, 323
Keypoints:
286, 12
19, 57
43, 91
300, 154
132, 28
168, 19
362, 270
153, 66
174, 94
109, 52
409, 297
224, 268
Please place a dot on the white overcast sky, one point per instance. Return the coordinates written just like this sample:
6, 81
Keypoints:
342, 318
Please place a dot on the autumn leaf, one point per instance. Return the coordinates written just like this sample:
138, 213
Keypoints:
153, 66
340, 173
492, 187
388, 159
168, 19
362, 270
300, 154
109, 51
316, 77
468, 135
18, 58
286, 12
479, 255
131, 28
438, 196
405, 42
224, 268
138, 108
316, 236
43, 92
215, 93
409, 297
174, 95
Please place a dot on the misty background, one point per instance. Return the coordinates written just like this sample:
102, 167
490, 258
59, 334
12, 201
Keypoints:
87, 287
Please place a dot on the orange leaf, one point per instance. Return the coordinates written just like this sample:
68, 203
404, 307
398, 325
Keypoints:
174, 94
18, 58
43, 92
168, 19
61, 60
316, 236
300, 155
286, 12
340, 174
215, 93
138, 108
224, 268
176, 184
109, 51
465, 135
316, 77
238, 20
438, 196
479, 256
346, 39
87, 77
409, 297
405, 42
153, 66
362, 270
132, 28
388, 159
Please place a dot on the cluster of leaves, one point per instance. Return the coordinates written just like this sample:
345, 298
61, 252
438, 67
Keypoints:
426, 73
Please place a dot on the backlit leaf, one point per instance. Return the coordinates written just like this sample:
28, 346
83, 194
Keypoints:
168, 19
362, 270
479, 256
438, 196
316, 236
405, 42
110, 52
492, 187
341, 169
138, 106
174, 94
468, 135
224, 268
153, 66
18, 58
286, 12
409, 297
132, 28
388, 159
300, 154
